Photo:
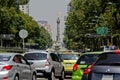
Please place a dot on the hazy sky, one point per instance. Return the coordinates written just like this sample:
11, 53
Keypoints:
47, 10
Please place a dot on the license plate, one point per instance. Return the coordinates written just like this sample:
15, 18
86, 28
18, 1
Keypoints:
107, 77
68, 64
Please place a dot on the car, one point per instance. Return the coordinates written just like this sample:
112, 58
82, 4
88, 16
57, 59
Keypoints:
68, 60
106, 67
47, 65
13, 66
84, 61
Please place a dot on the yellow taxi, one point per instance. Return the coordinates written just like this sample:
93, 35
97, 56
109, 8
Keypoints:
69, 58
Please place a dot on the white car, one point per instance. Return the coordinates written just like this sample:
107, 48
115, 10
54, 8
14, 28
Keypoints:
13, 66
47, 65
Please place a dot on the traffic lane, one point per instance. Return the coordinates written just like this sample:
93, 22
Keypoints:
67, 78
56, 79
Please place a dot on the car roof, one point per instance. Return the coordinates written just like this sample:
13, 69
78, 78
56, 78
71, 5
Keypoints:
36, 51
67, 52
8, 53
95, 52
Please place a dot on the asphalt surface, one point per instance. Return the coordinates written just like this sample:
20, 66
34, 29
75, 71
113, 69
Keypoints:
67, 78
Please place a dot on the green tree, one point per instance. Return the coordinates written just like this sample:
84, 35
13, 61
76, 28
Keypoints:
81, 15
44, 39
11, 3
77, 20
12, 21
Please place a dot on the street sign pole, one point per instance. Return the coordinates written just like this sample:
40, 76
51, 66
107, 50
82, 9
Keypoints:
23, 44
23, 34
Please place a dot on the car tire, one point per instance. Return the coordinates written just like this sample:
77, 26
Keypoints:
16, 77
62, 76
52, 76
34, 77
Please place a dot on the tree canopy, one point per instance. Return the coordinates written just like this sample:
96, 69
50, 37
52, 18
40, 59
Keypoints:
83, 19
13, 20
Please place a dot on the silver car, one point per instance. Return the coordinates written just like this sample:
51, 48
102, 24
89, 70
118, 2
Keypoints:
13, 66
47, 65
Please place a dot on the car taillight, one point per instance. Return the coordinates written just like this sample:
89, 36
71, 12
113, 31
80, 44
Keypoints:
75, 67
47, 62
88, 70
5, 78
8, 67
117, 51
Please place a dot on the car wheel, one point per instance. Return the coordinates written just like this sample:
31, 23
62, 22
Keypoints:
16, 78
62, 76
34, 77
52, 76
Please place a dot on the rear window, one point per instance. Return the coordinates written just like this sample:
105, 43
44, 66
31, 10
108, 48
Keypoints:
69, 56
4, 58
35, 56
108, 59
87, 59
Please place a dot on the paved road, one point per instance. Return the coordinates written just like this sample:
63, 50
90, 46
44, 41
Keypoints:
67, 78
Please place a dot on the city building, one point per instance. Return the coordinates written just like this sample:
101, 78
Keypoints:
45, 24
24, 8
42, 23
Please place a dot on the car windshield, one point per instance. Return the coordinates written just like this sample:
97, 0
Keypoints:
87, 59
36, 56
4, 58
109, 59
69, 56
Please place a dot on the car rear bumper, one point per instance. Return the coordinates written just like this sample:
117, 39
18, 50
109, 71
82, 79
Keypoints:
40, 72
68, 72
6, 75
43, 72
76, 78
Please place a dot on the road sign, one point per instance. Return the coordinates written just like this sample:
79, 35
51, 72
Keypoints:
23, 33
102, 30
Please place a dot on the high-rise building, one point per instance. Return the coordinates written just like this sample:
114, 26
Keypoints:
45, 24
24, 8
